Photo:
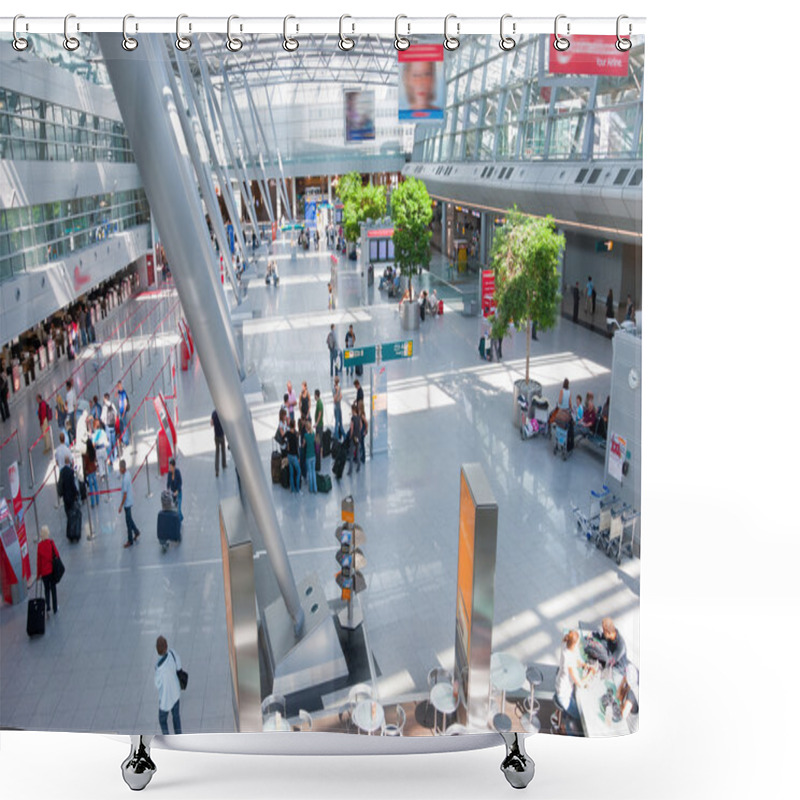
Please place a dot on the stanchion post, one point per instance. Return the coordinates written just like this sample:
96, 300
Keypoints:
30, 464
36, 518
89, 515
19, 446
147, 473
55, 485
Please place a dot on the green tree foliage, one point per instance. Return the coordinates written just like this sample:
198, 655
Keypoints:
360, 203
411, 213
524, 258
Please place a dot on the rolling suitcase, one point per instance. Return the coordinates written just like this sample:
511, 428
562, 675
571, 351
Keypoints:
36, 615
285, 476
339, 462
327, 437
324, 483
168, 528
74, 523
275, 466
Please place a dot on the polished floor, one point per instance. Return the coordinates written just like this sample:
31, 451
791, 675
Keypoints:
93, 669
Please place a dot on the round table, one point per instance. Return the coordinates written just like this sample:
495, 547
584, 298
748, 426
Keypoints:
507, 673
368, 716
276, 722
442, 699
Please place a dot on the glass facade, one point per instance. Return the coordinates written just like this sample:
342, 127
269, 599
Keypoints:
33, 235
509, 107
37, 130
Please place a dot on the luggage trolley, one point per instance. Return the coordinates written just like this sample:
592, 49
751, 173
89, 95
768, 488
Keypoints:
622, 534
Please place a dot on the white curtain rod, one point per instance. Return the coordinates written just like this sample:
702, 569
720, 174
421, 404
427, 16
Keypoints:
347, 25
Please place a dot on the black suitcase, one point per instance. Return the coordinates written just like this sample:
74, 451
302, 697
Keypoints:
168, 528
275, 466
324, 483
285, 477
36, 616
327, 436
82, 489
335, 447
359, 369
338, 464
74, 523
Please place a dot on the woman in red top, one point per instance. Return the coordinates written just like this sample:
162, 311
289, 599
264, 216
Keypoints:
44, 567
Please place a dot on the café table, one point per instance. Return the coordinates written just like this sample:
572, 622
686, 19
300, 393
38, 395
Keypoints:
507, 673
368, 716
595, 718
276, 722
443, 700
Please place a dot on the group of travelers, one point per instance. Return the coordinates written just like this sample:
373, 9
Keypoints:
586, 417
590, 302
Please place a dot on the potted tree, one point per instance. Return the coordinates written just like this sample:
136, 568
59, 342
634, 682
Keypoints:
525, 255
360, 203
411, 214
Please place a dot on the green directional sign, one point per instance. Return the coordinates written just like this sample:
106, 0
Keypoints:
395, 350
360, 355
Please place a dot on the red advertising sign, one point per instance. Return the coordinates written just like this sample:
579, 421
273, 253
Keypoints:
487, 292
19, 519
274, 231
589, 55
151, 270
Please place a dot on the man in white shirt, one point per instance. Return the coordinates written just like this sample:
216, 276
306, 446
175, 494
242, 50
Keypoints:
62, 451
126, 502
71, 402
168, 686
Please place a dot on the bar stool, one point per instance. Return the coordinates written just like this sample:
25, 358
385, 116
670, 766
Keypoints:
557, 717
531, 705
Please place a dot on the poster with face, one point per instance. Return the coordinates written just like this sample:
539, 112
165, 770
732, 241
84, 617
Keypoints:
359, 116
421, 91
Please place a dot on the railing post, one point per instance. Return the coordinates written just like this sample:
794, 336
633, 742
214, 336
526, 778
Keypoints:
147, 473
30, 464
36, 518
19, 446
89, 515
55, 484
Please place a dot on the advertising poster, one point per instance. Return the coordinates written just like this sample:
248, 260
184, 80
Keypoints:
421, 91
589, 55
487, 292
616, 456
19, 518
359, 116
310, 215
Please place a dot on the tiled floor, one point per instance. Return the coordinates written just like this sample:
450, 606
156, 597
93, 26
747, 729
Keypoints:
93, 670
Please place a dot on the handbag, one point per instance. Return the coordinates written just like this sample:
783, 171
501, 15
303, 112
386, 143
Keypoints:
58, 567
183, 675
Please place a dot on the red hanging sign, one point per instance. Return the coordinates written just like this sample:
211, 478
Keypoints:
487, 292
589, 55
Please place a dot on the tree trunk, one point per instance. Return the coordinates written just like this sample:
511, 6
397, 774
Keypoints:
528, 354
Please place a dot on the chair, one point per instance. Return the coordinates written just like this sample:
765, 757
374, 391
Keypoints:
271, 704
305, 723
396, 729
359, 692
439, 675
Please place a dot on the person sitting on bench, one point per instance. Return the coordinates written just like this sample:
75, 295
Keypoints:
585, 426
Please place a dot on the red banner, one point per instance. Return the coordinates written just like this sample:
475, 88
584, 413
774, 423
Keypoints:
19, 519
487, 292
589, 55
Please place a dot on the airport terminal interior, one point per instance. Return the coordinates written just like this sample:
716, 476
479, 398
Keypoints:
200, 265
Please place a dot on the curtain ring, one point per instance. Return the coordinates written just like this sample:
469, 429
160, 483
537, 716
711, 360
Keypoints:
290, 44
71, 43
19, 43
183, 43
623, 45
561, 44
401, 42
233, 44
128, 42
451, 42
506, 42
345, 43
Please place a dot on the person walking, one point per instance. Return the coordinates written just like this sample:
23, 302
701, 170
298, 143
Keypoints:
355, 439
71, 402
5, 413
590, 295
333, 350
124, 407
44, 414
101, 448
305, 404
292, 401
338, 428
219, 442
46, 551
61, 415
175, 486
62, 452
610, 310
126, 489
311, 458
168, 686
292, 451
350, 343
319, 418
110, 420
90, 472
576, 299
364, 429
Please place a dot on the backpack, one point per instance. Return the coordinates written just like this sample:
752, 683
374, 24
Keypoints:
111, 416
49, 412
